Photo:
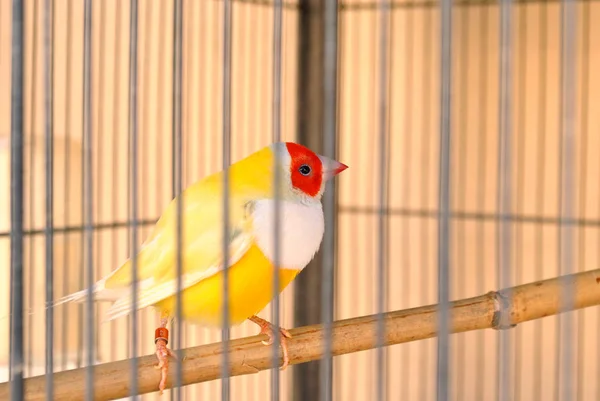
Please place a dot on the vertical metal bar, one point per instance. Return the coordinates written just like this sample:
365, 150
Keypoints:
49, 167
277, 34
582, 251
308, 301
115, 149
504, 190
382, 115
31, 193
568, 82
67, 169
158, 185
133, 188
16, 202
177, 178
100, 154
330, 75
226, 143
87, 196
143, 78
443, 345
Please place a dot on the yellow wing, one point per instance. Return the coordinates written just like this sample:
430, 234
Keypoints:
202, 244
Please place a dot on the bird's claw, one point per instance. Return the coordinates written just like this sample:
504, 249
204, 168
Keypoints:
268, 329
163, 353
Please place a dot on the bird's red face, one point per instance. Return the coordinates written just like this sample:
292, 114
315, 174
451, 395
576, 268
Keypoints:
308, 170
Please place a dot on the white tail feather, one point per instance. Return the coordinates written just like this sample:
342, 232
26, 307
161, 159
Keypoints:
100, 294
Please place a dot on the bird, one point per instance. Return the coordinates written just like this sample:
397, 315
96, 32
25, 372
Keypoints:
251, 246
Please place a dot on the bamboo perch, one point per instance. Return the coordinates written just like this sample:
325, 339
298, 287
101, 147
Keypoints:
248, 355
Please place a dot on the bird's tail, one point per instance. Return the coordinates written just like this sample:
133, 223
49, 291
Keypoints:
100, 294
81, 296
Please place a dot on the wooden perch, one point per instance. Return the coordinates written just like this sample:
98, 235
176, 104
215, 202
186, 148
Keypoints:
248, 355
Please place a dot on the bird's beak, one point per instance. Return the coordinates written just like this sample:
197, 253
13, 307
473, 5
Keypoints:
331, 168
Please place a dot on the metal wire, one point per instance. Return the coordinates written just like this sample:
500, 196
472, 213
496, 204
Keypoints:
87, 199
178, 181
16, 203
99, 151
67, 168
478, 216
383, 110
330, 77
443, 346
49, 185
353, 6
31, 193
226, 144
133, 188
567, 168
537, 219
505, 191
277, 34
115, 159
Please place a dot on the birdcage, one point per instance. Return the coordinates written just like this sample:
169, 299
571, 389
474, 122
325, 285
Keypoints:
461, 248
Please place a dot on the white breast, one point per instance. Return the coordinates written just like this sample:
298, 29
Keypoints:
301, 231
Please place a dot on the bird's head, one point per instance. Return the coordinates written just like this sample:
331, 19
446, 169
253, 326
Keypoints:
304, 172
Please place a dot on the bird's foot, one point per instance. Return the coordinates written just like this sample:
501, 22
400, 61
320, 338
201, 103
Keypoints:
268, 329
163, 353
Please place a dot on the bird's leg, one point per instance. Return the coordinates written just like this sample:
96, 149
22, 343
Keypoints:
268, 328
161, 338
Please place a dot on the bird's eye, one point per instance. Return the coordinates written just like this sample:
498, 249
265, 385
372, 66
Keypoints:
304, 169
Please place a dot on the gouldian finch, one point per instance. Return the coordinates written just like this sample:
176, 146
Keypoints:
251, 245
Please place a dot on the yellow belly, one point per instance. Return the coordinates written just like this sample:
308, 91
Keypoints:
250, 290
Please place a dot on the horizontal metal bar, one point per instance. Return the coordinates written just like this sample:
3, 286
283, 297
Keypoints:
80, 228
408, 212
464, 215
269, 3
372, 6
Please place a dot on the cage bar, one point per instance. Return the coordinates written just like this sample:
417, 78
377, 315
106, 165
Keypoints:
16, 357
87, 199
177, 160
383, 116
330, 76
133, 188
443, 347
566, 328
505, 161
277, 188
226, 154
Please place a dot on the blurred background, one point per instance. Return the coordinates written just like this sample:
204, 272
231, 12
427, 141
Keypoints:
411, 250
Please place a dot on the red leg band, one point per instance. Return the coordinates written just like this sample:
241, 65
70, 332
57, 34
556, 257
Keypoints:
161, 334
